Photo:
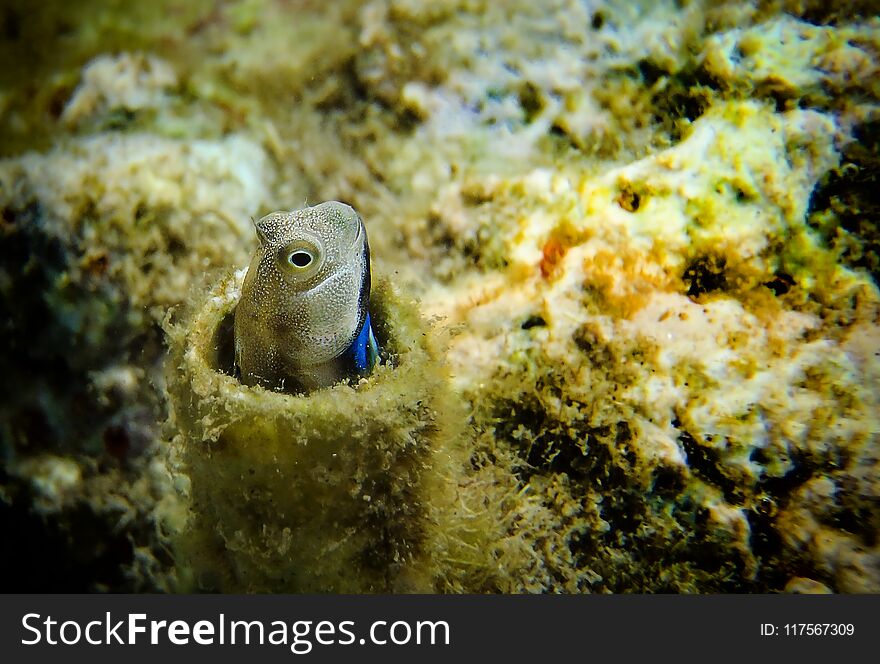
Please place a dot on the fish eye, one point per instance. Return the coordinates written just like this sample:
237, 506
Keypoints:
300, 258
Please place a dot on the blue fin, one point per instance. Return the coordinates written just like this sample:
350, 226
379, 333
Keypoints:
365, 350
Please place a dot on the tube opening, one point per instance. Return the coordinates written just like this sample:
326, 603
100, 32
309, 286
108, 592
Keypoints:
221, 353
224, 343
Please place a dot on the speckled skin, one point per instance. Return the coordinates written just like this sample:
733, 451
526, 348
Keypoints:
294, 323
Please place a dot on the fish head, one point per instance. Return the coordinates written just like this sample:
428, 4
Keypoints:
313, 275
306, 247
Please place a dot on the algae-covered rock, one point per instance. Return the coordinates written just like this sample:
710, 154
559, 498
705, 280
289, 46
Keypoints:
99, 236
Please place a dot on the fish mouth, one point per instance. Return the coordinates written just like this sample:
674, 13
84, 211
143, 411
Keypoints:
361, 232
359, 243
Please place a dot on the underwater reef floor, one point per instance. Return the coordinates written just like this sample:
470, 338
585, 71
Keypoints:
629, 256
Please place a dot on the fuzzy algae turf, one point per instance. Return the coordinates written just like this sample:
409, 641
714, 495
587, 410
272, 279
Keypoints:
646, 227
681, 373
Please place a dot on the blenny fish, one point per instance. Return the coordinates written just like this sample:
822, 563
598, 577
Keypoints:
303, 319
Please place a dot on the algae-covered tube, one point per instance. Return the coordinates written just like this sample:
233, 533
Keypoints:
318, 492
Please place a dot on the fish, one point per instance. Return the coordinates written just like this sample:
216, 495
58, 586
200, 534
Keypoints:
302, 321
